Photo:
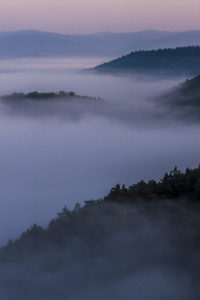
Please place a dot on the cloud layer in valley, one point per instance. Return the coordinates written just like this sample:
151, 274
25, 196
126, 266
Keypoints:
47, 162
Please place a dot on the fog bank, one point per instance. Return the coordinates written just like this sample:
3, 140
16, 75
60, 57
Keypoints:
52, 161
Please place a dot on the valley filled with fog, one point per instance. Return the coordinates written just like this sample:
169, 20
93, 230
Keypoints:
68, 154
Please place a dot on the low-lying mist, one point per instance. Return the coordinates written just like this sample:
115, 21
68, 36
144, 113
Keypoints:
53, 155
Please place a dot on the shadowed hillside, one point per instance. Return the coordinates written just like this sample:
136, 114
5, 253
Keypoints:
184, 100
139, 242
179, 61
186, 94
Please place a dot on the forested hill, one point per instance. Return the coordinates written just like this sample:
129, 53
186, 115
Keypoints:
127, 245
62, 95
50, 104
185, 95
175, 187
178, 61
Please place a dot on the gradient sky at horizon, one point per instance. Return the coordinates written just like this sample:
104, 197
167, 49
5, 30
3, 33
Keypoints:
88, 16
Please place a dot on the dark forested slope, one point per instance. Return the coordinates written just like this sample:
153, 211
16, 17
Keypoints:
183, 101
175, 186
127, 245
179, 61
185, 94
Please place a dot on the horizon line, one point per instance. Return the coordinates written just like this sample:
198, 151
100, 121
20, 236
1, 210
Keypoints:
98, 32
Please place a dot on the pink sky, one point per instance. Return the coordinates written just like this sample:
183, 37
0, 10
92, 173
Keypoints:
87, 16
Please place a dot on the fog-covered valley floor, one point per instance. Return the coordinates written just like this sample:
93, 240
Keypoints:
52, 161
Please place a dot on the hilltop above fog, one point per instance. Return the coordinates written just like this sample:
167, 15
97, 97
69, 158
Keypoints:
180, 61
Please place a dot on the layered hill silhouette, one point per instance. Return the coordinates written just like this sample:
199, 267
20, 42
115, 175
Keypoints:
33, 43
178, 61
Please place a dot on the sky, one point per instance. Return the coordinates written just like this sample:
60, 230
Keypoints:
89, 16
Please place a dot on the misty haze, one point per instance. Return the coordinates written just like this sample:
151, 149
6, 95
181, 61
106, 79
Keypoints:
69, 135
99, 150
51, 159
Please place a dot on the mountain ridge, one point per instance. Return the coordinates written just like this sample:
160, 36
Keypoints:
35, 43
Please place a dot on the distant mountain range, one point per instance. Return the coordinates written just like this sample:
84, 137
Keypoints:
33, 43
178, 61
